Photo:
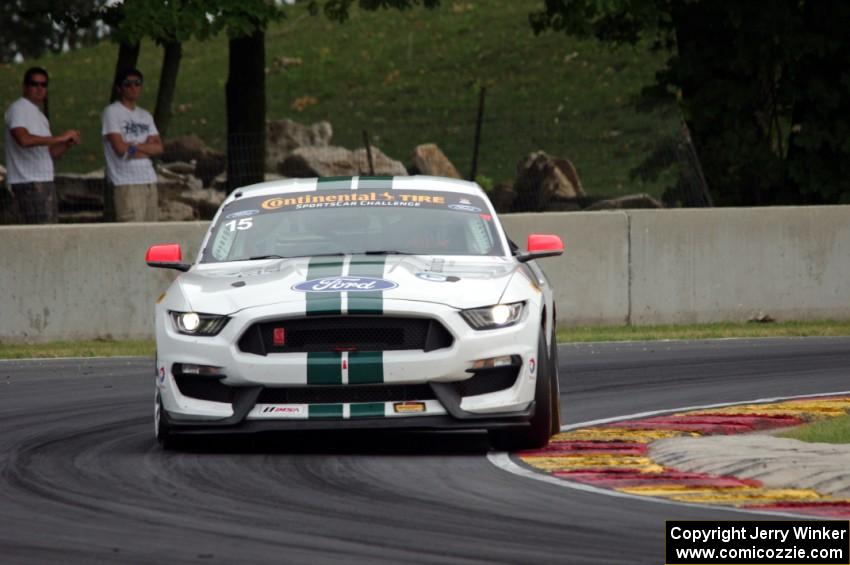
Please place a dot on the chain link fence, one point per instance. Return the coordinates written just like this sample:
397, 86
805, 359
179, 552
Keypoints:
535, 162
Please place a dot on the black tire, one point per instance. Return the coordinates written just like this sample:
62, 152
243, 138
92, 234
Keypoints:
164, 436
537, 433
556, 386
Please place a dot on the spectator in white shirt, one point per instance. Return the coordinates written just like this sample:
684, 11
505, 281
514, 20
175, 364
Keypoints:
30, 150
130, 139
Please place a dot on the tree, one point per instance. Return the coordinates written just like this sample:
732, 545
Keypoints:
169, 23
246, 22
34, 27
762, 85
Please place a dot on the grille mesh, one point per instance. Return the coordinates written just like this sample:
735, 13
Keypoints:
335, 333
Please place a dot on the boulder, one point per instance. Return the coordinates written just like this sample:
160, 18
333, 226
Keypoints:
630, 201
173, 211
80, 216
187, 190
180, 167
220, 181
384, 166
205, 201
192, 149
337, 161
428, 159
540, 182
80, 192
285, 136
209, 166
568, 169
184, 148
502, 196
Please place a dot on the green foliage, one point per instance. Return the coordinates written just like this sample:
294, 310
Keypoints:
180, 20
408, 77
763, 86
34, 27
485, 182
338, 10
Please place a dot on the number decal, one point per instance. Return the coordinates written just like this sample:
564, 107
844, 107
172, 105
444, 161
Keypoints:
242, 224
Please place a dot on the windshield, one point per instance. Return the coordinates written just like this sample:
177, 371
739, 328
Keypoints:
297, 224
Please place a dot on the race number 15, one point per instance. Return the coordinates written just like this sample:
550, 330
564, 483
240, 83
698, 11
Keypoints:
242, 224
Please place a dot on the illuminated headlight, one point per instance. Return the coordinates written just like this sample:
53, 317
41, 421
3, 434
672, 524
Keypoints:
492, 317
192, 323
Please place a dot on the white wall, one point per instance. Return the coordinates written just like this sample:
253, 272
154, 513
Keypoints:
643, 267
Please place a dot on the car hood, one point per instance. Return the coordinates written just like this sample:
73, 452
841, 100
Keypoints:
459, 282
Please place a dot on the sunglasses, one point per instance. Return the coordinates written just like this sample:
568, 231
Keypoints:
136, 82
37, 83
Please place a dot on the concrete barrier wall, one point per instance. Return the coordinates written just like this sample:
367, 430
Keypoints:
641, 267
730, 264
67, 282
591, 277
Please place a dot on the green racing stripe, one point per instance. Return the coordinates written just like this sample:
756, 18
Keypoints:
365, 367
367, 410
324, 303
325, 411
324, 368
366, 302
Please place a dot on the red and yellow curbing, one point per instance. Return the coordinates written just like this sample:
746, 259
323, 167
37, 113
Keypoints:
615, 456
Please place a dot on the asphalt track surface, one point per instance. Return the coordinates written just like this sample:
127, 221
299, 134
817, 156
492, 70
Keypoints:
83, 481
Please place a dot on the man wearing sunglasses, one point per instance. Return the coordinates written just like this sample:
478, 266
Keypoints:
30, 150
130, 139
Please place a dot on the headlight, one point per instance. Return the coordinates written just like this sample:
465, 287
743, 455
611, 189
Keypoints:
192, 323
492, 317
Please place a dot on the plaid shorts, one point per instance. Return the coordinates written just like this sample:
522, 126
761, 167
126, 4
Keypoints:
35, 203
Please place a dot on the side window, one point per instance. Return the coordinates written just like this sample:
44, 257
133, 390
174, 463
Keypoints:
482, 237
223, 243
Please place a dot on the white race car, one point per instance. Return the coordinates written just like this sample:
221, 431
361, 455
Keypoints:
358, 302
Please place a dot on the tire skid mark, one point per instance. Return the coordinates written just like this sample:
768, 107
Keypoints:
614, 455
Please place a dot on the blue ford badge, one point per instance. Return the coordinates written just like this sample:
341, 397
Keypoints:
242, 214
464, 208
345, 284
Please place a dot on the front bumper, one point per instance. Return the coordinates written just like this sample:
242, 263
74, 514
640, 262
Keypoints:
258, 384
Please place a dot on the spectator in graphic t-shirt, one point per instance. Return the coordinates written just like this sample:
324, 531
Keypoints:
130, 139
30, 150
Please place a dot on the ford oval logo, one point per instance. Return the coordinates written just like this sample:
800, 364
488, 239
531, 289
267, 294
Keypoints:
344, 284
242, 214
464, 208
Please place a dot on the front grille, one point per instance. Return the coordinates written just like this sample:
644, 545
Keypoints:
331, 394
340, 333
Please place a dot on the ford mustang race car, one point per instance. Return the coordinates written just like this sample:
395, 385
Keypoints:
358, 302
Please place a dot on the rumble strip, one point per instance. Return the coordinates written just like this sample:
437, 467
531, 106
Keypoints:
610, 456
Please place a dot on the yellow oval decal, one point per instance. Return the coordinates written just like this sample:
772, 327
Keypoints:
272, 203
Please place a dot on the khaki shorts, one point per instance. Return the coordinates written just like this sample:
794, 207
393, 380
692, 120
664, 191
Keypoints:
136, 203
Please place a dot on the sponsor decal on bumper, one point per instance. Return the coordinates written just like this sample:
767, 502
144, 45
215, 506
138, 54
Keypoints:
346, 411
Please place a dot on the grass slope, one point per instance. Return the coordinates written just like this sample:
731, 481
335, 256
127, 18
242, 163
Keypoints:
408, 78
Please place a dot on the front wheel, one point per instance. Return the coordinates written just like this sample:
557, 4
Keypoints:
539, 429
164, 436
